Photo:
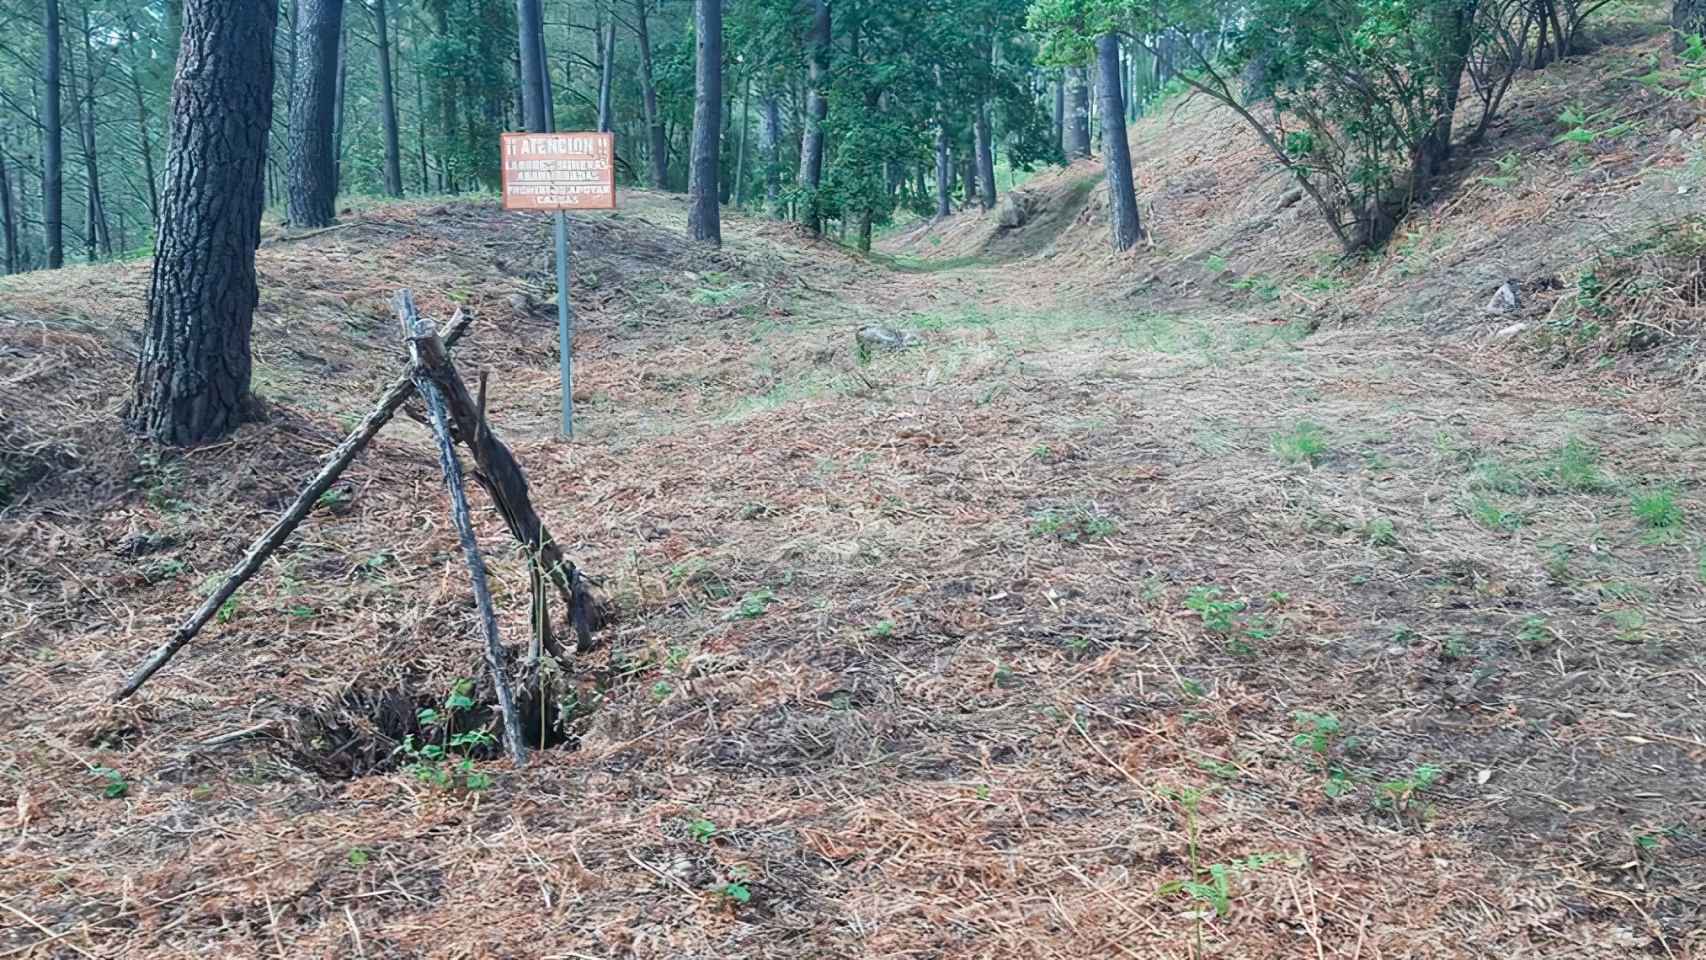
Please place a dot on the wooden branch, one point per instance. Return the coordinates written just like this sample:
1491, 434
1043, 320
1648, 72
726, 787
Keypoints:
499, 473
263, 547
426, 349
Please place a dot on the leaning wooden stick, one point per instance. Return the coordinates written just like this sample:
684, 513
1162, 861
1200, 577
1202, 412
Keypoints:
340, 459
423, 342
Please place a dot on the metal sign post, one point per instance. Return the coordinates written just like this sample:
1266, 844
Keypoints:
560, 172
565, 326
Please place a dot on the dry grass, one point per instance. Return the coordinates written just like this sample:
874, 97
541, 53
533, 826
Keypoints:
919, 653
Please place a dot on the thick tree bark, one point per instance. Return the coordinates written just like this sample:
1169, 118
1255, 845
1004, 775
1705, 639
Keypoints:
192, 377
1078, 123
1687, 19
657, 142
1455, 28
388, 100
550, 102
985, 158
704, 221
53, 140
338, 112
817, 108
1116, 149
528, 21
311, 167
740, 153
770, 150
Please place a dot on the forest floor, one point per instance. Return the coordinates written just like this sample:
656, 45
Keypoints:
1094, 625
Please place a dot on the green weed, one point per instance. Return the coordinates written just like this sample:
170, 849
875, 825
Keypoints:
1494, 517
1303, 443
1081, 524
1656, 509
1380, 532
753, 605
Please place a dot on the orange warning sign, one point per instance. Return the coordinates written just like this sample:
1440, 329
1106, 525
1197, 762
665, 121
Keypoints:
559, 171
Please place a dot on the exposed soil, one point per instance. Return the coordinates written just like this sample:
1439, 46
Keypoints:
973, 650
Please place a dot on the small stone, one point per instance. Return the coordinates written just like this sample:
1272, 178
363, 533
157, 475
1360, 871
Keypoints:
520, 302
877, 337
1507, 298
1675, 135
1506, 333
1011, 215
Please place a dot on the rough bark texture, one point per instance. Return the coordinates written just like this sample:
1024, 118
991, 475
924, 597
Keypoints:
657, 140
704, 222
985, 158
607, 75
53, 139
8, 218
1687, 18
1116, 149
311, 167
1078, 123
192, 378
817, 108
770, 151
388, 101
528, 18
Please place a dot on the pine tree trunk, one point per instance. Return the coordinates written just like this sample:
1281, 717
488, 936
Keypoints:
53, 140
704, 218
8, 219
388, 101
550, 101
338, 112
944, 173
1060, 116
770, 150
192, 377
92, 158
311, 167
144, 142
607, 75
985, 157
528, 22
1117, 151
817, 109
740, 154
1687, 19
659, 143
1078, 126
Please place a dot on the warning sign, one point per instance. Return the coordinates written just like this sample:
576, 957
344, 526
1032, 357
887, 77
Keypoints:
559, 171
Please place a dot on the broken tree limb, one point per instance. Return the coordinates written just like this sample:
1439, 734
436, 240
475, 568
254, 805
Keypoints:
499, 473
339, 460
424, 343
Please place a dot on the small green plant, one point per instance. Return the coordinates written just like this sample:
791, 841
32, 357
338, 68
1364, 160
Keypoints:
1534, 635
702, 830
720, 296
1380, 532
1079, 525
661, 690
1494, 517
358, 857
334, 500
1398, 796
1507, 171
1218, 615
1321, 734
113, 783
227, 611
1003, 675
753, 605
882, 629
1303, 443
430, 762
1656, 509
1455, 646
734, 892
1575, 467
1215, 263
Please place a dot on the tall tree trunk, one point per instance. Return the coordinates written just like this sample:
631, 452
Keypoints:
192, 377
1116, 150
420, 125
704, 221
53, 139
1453, 23
944, 173
658, 143
740, 154
388, 100
770, 151
8, 218
1687, 19
985, 157
338, 111
817, 108
1078, 126
310, 166
550, 101
607, 74
1060, 116
528, 24
92, 160
144, 142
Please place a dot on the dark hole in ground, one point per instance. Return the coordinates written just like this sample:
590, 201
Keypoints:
371, 730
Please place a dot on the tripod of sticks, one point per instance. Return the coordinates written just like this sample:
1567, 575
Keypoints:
453, 415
